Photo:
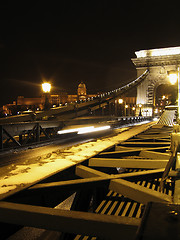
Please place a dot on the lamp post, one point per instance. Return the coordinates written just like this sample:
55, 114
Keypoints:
140, 106
46, 87
133, 110
120, 101
126, 110
174, 77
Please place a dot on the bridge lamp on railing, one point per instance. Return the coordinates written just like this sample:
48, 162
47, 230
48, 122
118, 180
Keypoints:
173, 78
133, 110
120, 100
46, 87
140, 106
126, 108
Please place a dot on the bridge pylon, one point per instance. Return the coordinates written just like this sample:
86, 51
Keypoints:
159, 62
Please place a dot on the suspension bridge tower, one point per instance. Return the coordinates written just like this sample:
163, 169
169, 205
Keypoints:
159, 62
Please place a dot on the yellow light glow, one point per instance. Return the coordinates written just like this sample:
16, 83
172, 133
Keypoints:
83, 130
120, 101
158, 52
133, 108
94, 129
140, 105
126, 106
46, 87
71, 130
173, 78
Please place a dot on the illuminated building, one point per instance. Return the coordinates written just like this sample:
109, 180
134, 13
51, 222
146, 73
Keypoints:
24, 104
159, 62
81, 92
55, 100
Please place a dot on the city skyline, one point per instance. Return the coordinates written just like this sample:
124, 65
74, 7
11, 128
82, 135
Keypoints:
72, 42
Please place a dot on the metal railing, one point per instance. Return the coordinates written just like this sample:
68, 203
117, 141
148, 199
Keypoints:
21, 134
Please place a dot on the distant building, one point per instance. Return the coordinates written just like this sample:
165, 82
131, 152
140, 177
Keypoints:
21, 100
81, 91
71, 98
55, 100
61, 98
8, 109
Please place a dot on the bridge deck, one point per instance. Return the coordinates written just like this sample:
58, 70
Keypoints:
29, 171
167, 118
119, 205
107, 188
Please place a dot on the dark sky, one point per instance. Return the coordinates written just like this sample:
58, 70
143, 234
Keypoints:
70, 41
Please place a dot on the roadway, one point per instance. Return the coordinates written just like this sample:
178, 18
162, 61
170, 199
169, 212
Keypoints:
11, 155
70, 150
36, 150
27, 167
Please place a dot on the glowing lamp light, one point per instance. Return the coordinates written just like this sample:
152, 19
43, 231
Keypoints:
94, 129
173, 78
120, 101
46, 87
156, 110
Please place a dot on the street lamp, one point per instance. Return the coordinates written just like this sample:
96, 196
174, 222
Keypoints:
133, 110
173, 78
46, 87
126, 110
120, 100
140, 106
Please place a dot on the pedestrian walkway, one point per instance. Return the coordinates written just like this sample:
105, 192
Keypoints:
167, 118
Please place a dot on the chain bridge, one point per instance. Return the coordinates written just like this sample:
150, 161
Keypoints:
71, 182
159, 63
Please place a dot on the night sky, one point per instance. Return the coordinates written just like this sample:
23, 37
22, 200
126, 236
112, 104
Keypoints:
70, 41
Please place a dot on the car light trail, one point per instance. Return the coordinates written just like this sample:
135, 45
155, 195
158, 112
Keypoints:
83, 131
71, 130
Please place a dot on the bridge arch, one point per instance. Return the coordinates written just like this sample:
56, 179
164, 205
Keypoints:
159, 62
164, 94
